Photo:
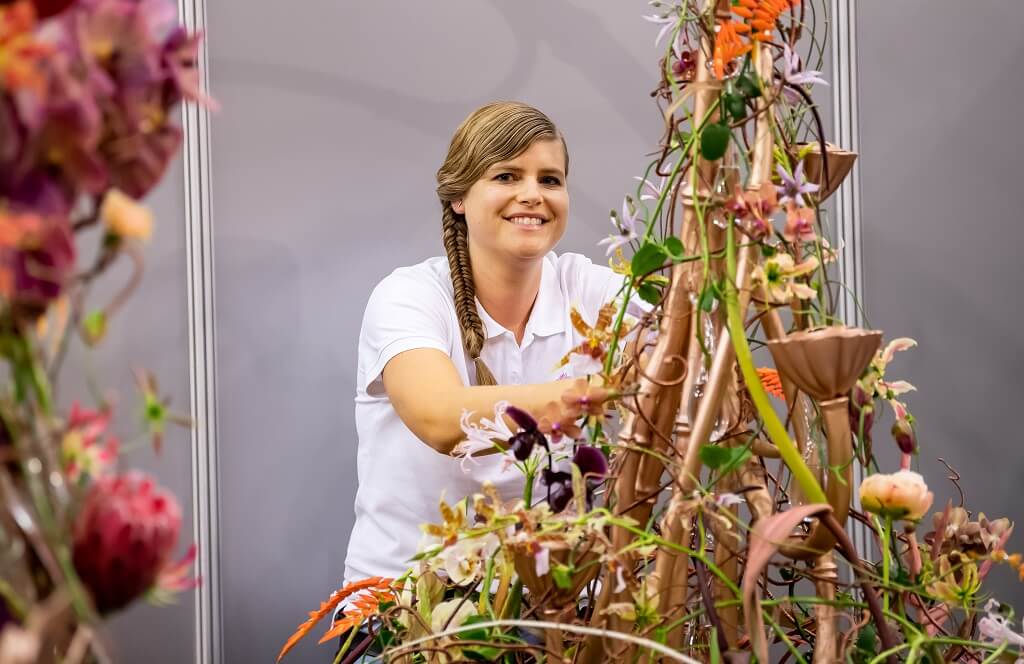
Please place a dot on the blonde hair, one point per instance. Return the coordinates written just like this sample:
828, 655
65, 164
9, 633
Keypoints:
491, 134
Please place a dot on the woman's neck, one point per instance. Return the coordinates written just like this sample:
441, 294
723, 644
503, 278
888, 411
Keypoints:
507, 292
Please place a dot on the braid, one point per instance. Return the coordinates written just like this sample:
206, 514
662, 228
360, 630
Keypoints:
453, 235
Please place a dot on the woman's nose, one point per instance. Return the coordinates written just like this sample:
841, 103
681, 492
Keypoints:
529, 191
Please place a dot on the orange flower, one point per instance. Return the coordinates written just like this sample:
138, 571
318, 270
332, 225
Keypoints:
555, 423
771, 382
728, 45
374, 585
363, 608
582, 398
761, 15
21, 54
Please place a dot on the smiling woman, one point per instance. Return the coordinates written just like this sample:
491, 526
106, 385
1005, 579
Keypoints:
488, 322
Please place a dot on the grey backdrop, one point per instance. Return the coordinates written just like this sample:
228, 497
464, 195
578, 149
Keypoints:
337, 114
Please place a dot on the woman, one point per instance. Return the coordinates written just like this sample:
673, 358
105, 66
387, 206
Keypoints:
489, 321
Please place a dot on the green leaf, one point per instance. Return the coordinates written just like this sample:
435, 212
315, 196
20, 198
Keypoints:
714, 140
562, 576
748, 86
715, 654
649, 258
475, 634
707, 299
723, 459
483, 653
735, 105
674, 248
648, 292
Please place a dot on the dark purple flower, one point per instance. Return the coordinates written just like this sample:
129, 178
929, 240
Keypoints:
522, 443
522, 418
591, 462
559, 485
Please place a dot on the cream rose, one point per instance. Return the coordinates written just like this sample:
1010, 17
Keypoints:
900, 495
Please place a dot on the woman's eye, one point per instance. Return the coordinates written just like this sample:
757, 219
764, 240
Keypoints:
503, 177
552, 180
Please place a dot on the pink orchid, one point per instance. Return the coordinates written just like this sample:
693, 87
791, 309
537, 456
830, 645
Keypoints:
799, 224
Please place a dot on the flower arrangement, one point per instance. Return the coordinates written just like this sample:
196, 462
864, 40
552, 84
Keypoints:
87, 92
694, 506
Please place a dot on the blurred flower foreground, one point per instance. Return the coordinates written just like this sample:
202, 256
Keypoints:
88, 93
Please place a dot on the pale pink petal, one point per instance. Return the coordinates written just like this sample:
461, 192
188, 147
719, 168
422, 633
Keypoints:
903, 343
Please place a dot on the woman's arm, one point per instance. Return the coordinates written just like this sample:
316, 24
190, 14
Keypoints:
428, 395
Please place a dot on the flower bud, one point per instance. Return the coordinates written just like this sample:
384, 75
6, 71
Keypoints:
903, 433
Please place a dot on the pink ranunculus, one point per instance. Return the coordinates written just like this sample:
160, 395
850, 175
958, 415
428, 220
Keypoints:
900, 495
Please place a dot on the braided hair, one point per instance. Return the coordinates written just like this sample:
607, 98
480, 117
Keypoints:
491, 134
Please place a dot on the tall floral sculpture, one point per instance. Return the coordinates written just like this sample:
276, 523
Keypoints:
87, 94
694, 507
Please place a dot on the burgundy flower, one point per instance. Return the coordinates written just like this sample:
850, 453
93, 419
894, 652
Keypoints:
180, 59
124, 537
46, 8
591, 462
559, 484
37, 257
529, 436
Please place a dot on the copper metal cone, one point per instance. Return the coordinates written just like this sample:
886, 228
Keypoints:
839, 164
825, 363
544, 586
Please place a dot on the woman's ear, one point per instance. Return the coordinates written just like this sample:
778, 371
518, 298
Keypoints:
459, 207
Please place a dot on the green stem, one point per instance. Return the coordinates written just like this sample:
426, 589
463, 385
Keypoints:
773, 427
885, 534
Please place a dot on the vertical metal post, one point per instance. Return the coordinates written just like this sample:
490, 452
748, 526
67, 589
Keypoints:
202, 354
843, 38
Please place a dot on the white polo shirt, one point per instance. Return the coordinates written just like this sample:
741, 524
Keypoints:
401, 478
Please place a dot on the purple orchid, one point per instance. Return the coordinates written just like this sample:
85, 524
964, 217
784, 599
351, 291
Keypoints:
793, 75
626, 227
666, 23
794, 186
529, 436
559, 484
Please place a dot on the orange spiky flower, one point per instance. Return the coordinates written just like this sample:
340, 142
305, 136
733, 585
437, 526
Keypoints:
771, 382
362, 609
728, 45
377, 587
762, 15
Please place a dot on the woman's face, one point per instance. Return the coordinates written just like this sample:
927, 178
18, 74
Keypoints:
519, 208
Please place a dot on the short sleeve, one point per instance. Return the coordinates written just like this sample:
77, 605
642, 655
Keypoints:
598, 285
405, 311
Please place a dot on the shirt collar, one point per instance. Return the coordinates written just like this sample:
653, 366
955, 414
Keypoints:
548, 314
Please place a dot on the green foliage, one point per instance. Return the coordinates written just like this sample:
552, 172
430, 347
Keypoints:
649, 258
714, 141
723, 459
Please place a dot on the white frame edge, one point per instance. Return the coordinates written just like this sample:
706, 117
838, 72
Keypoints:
845, 118
196, 152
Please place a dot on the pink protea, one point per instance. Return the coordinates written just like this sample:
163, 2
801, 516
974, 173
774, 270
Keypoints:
124, 537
